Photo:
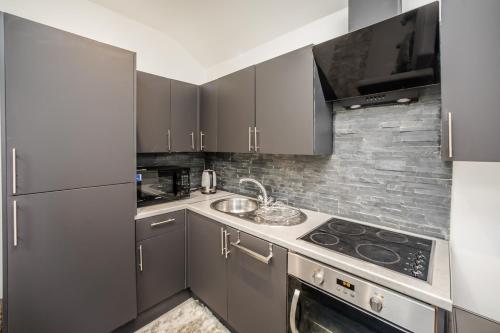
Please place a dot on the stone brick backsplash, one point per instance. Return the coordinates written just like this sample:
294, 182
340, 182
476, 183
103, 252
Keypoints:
386, 169
195, 161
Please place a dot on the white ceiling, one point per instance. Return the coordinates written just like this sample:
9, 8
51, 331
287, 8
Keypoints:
217, 30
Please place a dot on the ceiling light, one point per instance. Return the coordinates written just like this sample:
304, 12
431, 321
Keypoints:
355, 106
403, 100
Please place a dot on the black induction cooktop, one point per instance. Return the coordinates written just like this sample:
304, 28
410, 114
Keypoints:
396, 251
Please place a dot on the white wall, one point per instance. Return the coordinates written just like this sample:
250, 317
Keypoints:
475, 237
318, 31
157, 53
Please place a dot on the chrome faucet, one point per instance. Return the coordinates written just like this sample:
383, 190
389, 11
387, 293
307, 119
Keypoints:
264, 199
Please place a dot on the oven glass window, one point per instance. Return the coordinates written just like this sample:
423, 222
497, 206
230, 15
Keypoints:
318, 312
155, 186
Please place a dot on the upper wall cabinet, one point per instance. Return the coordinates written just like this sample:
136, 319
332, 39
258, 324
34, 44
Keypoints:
153, 113
184, 116
69, 110
470, 80
167, 114
208, 117
236, 111
292, 116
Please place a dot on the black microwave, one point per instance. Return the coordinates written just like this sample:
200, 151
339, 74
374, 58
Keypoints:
162, 184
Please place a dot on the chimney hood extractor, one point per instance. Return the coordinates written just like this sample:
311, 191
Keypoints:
384, 63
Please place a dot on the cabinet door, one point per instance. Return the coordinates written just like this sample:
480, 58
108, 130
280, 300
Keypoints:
73, 269
284, 104
153, 113
69, 109
470, 79
256, 298
161, 268
207, 264
236, 111
184, 116
208, 117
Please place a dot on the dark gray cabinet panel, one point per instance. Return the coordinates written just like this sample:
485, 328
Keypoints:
257, 292
284, 103
161, 269
470, 79
73, 269
236, 110
208, 117
207, 265
159, 224
69, 109
363, 13
291, 117
466, 322
153, 113
184, 116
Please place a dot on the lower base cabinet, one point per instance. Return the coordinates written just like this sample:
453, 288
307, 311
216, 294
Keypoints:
247, 286
207, 263
161, 259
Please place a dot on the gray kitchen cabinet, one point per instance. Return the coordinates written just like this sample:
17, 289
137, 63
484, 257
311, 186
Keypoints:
207, 264
71, 264
208, 117
236, 111
161, 267
292, 116
69, 110
363, 13
257, 291
470, 79
153, 113
184, 116
466, 322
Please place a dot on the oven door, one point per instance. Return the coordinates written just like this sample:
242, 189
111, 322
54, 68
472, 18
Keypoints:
314, 311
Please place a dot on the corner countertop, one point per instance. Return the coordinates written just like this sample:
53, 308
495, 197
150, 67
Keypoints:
436, 292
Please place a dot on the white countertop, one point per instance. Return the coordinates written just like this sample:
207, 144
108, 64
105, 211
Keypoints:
436, 292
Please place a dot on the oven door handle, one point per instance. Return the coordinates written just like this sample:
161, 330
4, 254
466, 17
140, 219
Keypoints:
293, 311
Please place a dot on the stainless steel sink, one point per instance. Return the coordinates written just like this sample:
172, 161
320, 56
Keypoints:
235, 205
246, 209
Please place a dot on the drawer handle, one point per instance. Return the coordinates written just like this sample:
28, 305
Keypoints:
155, 224
14, 218
450, 136
254, 254
14, 171
141, 266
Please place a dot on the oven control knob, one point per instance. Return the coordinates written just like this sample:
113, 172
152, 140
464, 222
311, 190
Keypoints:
318, 277
376, 303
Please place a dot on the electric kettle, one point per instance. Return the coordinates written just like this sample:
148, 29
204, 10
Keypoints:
208, 182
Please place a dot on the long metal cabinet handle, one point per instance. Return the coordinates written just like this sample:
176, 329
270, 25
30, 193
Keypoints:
222, 241
14, 218
226, 241
450, 136
254, 254
293, 311
169, 141
250, 147
14, 171
192, 140
255, 144
201, 140
141, 267
155, 224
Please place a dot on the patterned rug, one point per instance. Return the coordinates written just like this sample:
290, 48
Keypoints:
188, 317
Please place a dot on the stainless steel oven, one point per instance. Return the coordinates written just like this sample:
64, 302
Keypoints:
324, 299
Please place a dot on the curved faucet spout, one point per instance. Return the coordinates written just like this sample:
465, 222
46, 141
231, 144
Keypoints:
265, 199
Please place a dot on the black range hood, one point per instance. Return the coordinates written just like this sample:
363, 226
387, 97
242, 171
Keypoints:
383, 63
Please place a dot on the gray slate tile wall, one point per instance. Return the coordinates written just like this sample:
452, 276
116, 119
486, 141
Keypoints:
386, 169
195, 161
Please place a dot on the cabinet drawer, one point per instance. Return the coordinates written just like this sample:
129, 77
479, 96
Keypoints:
157, 225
